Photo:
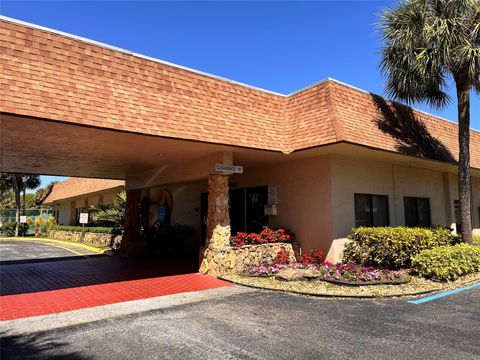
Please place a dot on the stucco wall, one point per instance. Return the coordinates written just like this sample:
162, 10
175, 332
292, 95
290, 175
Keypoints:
352, 175
186, 205
63, 207
304, 200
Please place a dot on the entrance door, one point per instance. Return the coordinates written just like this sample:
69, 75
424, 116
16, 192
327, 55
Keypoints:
246, 210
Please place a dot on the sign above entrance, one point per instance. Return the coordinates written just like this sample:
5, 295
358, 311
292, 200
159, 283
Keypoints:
83, 218
233, 169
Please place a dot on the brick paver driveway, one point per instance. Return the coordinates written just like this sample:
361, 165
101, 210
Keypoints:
39, 287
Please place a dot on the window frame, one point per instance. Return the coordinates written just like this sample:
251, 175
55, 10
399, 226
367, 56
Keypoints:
386, 197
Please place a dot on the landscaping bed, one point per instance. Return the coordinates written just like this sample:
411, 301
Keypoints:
416, 286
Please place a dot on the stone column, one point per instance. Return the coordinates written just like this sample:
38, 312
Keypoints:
131, 244
218, 216
218, 225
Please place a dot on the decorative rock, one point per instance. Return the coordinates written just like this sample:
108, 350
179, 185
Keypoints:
310, 274
289, 275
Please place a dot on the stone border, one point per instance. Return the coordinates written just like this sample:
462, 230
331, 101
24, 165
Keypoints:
326, 295
346, 296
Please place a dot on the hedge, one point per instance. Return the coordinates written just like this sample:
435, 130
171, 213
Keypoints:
393, 247
447, 262
92, 229
8, 228
476, 240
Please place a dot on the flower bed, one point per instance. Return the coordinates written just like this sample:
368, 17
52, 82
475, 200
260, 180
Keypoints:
342, 273
266, 236
416, 286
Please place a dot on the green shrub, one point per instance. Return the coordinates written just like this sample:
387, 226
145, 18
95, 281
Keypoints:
393, 247
92, 229
476, 240
8, 229
447, 262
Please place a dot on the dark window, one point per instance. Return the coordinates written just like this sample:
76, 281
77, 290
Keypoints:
247, 209
371, 210
417, 211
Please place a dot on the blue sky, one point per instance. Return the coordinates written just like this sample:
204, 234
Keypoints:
279, 46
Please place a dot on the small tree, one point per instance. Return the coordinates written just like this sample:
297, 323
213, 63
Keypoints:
426, 42
114, 212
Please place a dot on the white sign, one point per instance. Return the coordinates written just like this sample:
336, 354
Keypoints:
83, 218
272, 195
229, 168
23, 219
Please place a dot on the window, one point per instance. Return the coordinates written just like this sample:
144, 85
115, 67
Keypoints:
371, 210
417, 211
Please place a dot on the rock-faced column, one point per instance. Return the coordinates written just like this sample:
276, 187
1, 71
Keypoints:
131, 242
218, 225
218, 216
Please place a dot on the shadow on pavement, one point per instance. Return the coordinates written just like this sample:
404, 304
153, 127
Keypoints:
32, 277
28, 347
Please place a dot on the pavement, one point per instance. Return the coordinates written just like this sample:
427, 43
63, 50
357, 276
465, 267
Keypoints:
257, 324
233, 322
25, 251
34, 286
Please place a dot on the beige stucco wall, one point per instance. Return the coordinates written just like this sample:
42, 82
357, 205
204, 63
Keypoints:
352, 175
304, 200
63, 206
186, 206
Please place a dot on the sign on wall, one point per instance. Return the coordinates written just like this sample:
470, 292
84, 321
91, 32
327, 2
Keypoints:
232, 169
272, 195
83, 218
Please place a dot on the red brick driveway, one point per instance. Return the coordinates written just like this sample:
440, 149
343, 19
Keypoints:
35, 288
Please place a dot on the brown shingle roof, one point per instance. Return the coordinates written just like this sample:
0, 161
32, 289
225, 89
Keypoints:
58, 77
75, 187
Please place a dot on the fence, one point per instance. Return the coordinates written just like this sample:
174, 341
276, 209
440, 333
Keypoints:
8, 215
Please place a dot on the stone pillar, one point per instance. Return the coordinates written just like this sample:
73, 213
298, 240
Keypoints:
218, 224
132, 244
218, 216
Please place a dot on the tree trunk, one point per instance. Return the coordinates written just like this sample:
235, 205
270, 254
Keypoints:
16, 190
24, 212
464, 190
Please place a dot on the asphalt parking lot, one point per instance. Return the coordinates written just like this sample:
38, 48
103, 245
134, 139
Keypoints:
266, 325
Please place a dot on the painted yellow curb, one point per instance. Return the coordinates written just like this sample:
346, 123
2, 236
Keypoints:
56, 241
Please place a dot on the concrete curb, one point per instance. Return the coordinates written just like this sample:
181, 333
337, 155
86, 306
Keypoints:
60, 242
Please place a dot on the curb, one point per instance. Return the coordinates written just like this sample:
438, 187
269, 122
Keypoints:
55, 241
346, 296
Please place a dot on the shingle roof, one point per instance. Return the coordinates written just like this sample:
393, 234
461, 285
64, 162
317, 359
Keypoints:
74, 187
59, 77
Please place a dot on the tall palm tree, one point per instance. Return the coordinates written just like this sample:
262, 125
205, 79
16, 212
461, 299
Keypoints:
18, 183
14, 182
426, 43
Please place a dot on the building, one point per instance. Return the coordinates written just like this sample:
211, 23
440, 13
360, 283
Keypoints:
319, 161
71, 197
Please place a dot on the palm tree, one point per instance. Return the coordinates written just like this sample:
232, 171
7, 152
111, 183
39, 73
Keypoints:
426, 43
18, 183
13, 182
112, 213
